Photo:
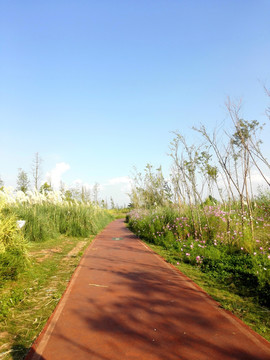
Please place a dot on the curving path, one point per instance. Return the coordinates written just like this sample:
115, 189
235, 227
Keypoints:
125, 302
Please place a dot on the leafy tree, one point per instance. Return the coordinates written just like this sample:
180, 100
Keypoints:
68, 195
112, 203
150, 190
22, 181
46, 188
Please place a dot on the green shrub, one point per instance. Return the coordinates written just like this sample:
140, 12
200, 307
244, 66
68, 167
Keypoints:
13, 247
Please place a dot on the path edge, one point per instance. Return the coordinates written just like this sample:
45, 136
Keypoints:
38, 346
228, 314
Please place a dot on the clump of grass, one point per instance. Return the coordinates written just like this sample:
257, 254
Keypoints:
13, 247
46, 221
119, 213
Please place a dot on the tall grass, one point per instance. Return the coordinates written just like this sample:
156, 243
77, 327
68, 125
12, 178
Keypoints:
45, 221
13, 247
45, 217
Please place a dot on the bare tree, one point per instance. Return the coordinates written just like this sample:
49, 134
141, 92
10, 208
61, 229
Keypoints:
95, 192
267, 111
85, 194
37, 170
187, 170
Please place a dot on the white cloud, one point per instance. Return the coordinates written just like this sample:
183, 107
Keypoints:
80, 183
77, 182
117, 188
55, 175
119, 180
257, 178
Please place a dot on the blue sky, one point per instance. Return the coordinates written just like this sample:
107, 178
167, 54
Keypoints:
98, 86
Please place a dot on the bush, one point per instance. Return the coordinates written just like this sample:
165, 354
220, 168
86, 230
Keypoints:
13, 248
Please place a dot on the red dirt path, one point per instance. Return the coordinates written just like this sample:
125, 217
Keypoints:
125, 302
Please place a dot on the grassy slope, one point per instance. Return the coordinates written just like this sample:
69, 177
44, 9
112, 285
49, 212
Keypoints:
255, 316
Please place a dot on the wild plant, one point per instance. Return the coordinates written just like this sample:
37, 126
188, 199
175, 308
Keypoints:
13, 247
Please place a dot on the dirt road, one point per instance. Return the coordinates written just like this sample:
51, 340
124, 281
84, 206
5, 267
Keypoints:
125, 302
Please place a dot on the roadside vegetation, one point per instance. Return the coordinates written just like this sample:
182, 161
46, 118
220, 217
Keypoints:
42, 238
208, 219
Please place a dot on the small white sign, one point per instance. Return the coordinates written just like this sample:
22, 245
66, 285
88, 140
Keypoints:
20, 223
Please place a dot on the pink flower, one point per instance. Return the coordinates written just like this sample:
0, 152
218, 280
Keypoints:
177, 263
268, 257
254, 253
242, 248
187, 254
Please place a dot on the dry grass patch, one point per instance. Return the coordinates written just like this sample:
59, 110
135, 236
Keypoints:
42, 255
76, 249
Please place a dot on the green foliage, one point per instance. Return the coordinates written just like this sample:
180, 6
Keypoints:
150, 190
45, 188
244, 306
45, 221
210, 201
243, 132
22, 181
263, 203
223, 248
13, 247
